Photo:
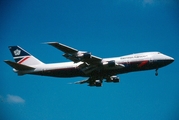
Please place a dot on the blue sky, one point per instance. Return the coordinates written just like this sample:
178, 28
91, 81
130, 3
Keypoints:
105, 28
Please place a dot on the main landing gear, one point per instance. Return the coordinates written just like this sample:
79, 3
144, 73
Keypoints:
156, 72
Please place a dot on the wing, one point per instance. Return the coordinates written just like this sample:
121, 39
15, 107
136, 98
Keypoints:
76, 55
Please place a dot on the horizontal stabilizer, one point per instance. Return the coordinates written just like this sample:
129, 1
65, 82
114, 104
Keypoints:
18, 66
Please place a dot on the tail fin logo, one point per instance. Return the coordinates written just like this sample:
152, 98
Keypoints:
17, 52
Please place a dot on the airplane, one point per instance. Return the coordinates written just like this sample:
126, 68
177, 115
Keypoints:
84, 64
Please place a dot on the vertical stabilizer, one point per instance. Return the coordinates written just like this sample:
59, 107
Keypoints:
23, 57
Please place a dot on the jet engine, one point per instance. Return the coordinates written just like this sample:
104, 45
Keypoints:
97, 83
111, 63
114, 79
79, 56
83, 55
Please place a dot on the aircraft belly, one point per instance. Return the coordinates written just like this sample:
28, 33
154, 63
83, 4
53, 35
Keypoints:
67, 72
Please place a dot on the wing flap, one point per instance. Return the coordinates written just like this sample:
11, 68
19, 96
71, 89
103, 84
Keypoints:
18, 66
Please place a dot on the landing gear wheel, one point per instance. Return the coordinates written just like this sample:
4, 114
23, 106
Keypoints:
156, 72
98, 83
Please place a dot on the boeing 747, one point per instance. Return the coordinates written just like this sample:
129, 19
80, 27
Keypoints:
85, 64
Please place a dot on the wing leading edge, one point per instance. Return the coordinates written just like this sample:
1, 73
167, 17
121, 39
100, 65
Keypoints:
76, 55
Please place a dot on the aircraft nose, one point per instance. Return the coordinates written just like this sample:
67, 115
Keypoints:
170, 59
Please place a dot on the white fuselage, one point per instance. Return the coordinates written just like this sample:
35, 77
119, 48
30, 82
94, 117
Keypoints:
133, 62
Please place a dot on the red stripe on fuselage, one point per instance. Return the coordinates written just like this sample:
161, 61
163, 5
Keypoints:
142, 63
23, 60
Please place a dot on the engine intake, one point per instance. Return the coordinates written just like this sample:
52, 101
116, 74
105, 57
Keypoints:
114, 79
109, 63
83, 55
86, 56
97, 83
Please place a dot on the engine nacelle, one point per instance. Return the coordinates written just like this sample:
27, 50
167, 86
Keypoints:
97, 83
111, 63
83, 55
86, 55
114, 79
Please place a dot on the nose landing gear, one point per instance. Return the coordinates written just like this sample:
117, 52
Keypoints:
156, 72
